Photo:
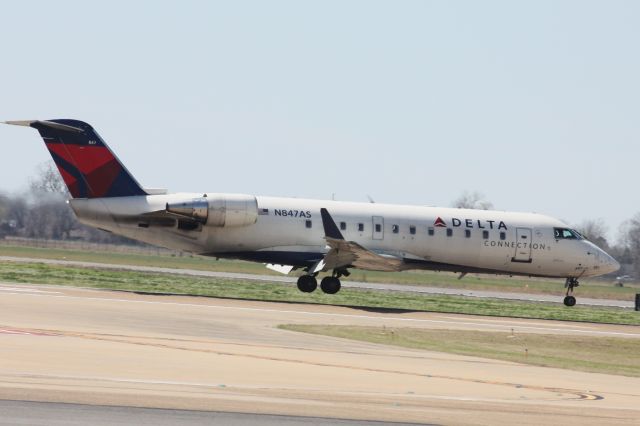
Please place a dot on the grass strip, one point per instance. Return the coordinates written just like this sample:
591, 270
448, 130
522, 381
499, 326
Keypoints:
611, 355
588, 288
38, 273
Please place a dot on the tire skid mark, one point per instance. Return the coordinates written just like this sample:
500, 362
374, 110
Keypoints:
249, 345
576, 394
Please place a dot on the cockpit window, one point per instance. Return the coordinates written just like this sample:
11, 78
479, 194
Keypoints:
566, 234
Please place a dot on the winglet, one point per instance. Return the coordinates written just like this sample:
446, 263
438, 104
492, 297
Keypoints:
330, 228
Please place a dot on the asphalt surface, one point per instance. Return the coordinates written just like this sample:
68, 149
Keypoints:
16, 413
347, 284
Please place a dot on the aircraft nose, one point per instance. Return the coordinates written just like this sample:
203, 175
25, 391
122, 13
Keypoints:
610, 264
601, 263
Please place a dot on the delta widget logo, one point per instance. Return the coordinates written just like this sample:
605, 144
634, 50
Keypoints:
440, 223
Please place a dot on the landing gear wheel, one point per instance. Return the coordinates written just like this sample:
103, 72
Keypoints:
307, 284
570, 284
330, 285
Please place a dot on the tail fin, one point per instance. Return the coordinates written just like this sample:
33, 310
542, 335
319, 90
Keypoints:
87, 165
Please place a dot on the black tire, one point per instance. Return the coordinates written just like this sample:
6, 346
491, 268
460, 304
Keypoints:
330, 285
307, 284
569, 301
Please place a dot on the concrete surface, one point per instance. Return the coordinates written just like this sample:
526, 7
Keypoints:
68, 345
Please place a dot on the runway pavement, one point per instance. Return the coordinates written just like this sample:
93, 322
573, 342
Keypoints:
67, 345
13, 413
347, 284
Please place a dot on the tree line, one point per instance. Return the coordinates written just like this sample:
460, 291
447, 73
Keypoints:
43, 213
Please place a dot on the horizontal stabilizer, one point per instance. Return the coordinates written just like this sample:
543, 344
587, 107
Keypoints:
26, 123
44, 123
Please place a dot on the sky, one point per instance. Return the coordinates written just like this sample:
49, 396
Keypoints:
535, 104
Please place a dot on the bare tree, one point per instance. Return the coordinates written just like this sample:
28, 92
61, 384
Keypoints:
4, 206
17, 212
50, 215
5, 226
595, 230
48, 180
472, 200
630, 243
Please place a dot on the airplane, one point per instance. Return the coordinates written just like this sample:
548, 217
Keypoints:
314, 236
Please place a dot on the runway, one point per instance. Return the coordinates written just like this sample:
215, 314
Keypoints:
67, 345
14, 413
403, 288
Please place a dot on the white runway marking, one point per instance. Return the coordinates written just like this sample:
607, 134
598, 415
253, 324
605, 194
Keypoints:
2, 331
476, 323
26, 290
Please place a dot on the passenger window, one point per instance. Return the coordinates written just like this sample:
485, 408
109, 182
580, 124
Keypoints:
343, 226
378, 227
485, 235
412, 230
449, 232
361, 227
430, 231
503, 235
467, 233
308, 223
395, 229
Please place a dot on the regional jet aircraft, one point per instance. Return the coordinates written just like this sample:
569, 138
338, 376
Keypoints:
313, 236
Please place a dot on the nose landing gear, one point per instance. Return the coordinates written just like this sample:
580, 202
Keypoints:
570, 284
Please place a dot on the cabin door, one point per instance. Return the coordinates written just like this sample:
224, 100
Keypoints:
523, 246
378, 227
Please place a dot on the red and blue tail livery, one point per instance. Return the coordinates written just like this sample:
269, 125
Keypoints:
87, 165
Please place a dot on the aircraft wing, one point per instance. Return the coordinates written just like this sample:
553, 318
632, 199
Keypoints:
343, 253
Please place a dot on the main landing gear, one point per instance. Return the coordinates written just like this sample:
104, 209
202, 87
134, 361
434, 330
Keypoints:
307, 283
329, 285
570, 284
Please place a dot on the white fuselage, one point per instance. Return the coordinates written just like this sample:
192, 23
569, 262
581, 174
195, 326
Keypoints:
289, 231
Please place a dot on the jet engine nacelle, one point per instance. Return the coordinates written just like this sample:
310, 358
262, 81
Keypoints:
218, 209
